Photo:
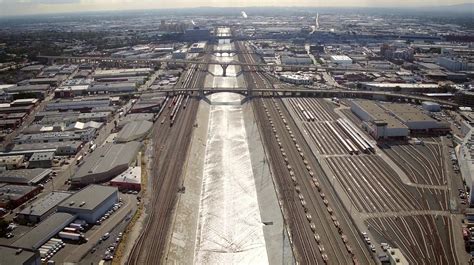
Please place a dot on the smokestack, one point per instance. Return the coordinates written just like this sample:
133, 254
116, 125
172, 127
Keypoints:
317, 21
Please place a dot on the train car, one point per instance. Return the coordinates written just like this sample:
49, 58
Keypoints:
306, 116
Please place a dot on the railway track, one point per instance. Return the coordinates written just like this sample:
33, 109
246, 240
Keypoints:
171, 141
314, 218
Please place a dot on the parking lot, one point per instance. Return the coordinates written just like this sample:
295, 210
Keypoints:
114, 224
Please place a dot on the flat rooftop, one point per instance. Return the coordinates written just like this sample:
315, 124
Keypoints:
131, 175
10, 255
106, 162
379, 114
134, 130
407, 113
44, 231
90, 197
14, 192
24, 176
46, 203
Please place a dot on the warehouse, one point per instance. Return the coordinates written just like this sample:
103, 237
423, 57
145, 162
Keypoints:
6, 109
122, 72
341, 59
12, 196
150, 103
128, 180
103, 116
14, 256
12, 162
118, 87
400, 87
296, 79
136, 117
378, 122
415, 119
106, 162
68, 105
197, 47
134, 131
292, 60
44, 231
40, 91
51, 137
90, 203
431, 106
60, 148
70, 91
42, 208
52, 117
41, 160
24, 176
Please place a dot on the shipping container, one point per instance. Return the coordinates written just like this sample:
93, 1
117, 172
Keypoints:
71, 236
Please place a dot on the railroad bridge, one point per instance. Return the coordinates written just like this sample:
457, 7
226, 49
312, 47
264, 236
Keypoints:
304, 92
253, 67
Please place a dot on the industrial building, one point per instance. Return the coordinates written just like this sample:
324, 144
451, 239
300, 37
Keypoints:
296, 79
106, 162
85, 104
113, 73
15, 256
198, 47
134, 131
197, 34
12, 162
148, 104
136, 117
415, 119
12, 196
39, 91
180, 54
60, 148
50, 137
103, 116
109, 88
128, 180
341, 59
41, 160
377, 121
465, 98
400, 87
70, 91
90, 203
454, 64
431, 106
24, 176
44, 231
293, 60
42, 208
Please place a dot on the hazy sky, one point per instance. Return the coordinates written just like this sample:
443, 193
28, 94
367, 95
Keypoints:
19, 7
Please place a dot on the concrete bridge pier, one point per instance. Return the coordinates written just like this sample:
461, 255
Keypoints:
224, 69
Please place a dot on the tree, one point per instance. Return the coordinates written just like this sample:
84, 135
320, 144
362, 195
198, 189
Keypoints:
3, 227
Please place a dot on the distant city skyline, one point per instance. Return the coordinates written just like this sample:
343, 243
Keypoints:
28, 7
